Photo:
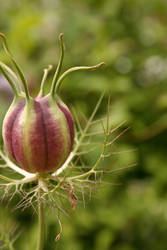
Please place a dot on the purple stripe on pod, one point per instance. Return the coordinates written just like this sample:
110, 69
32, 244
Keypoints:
46, 139
18, 143
8, 128
70, 121
55, 138
38, 140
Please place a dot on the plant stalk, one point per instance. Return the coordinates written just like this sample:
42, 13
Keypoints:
41, 221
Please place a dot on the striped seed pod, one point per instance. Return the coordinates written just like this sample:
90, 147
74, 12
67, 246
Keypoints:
38, 136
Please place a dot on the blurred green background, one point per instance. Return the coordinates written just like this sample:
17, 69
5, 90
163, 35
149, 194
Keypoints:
131, 37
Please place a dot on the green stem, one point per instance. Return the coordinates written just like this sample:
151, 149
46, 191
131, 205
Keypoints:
41, 219
57, 73
75, 69
20, 73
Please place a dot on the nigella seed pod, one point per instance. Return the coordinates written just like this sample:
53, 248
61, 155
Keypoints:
38, 133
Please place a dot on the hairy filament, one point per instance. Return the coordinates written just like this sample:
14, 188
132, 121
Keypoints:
73, 153
14, 166
4, 178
